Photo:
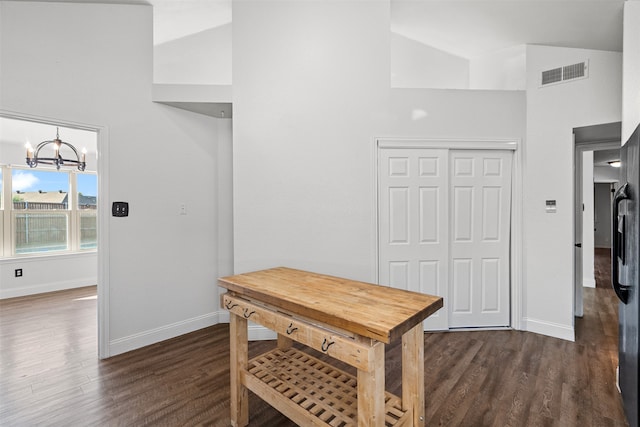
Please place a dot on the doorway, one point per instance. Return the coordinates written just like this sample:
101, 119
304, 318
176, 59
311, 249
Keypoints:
444, 228
51, 218
596, 149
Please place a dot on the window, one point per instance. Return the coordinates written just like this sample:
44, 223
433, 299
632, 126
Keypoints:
50, 211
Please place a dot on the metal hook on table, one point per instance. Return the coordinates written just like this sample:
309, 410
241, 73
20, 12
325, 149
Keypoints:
246, 316
291, 330
326, 345
229, 305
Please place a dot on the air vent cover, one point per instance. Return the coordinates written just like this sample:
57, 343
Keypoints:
552, 76
562, 74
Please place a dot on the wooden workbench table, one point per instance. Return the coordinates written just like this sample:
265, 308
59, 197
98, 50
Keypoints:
348, 320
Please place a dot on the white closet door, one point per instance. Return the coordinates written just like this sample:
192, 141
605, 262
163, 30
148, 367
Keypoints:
444, 223
480, 191
413, 239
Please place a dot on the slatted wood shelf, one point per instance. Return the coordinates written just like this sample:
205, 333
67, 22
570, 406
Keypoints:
320, 393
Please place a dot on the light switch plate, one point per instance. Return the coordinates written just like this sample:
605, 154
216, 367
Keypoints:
120, 209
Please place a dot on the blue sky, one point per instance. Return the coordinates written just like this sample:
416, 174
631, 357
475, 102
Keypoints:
34, 180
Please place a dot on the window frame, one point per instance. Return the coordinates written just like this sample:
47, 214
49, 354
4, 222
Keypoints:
73, 214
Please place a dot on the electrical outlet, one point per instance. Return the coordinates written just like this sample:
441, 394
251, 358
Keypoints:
18, 272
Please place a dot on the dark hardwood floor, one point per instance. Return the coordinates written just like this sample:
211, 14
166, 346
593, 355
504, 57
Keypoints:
602, 267
50, 375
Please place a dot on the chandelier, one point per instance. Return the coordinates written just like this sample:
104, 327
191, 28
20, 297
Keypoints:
34, 158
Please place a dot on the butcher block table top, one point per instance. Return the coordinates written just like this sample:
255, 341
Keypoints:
378, 312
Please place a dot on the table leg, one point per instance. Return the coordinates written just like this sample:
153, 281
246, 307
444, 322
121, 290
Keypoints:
284, 342
239, 353
371, 410
413, 374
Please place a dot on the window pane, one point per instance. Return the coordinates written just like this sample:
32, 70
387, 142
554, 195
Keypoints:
41, 232
41, 190
87, 191
88, 229
87, 206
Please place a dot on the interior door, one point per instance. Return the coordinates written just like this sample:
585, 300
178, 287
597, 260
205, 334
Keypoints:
578, 304
413, 224
480, 188
444, 229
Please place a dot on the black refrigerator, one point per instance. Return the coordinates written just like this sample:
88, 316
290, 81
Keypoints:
625, 263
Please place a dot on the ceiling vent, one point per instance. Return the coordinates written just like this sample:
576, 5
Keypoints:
564, 74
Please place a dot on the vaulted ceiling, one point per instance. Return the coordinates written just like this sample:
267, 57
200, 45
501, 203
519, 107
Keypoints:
466, 28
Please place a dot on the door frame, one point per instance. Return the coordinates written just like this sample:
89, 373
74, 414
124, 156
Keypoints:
516, 248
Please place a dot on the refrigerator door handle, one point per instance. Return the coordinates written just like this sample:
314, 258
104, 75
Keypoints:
621, 290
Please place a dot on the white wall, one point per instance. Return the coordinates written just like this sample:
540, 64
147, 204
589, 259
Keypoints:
450, 113
416, 65
201, 58
47, 274
505, 69
588, 277
631, 69
311, 90
96, 69
552, 113
224, 198
304, 130
606, 174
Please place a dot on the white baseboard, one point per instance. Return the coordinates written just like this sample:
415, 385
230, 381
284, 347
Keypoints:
260, 333
256, 332
550, 329
589, 283
152, 336
46, 287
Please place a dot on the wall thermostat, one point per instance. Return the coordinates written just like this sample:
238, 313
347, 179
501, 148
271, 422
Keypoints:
551, 206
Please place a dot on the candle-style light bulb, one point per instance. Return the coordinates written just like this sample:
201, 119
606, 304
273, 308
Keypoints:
84, 155
29, 150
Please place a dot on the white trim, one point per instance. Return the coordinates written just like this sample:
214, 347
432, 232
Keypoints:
102, 149
578, 149
374, 208
517, 241
517, 248
576, 224
27, 258
555, 330
449, 143
47, 287
162, 333
260, 333
256, 332
103, 216
588, 282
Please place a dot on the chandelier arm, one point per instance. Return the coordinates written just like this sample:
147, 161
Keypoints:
57, 161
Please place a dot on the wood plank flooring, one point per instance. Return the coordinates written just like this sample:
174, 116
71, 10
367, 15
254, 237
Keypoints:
602, 267
50, 374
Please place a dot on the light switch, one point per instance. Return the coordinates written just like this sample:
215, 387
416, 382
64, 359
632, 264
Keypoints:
120, 209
